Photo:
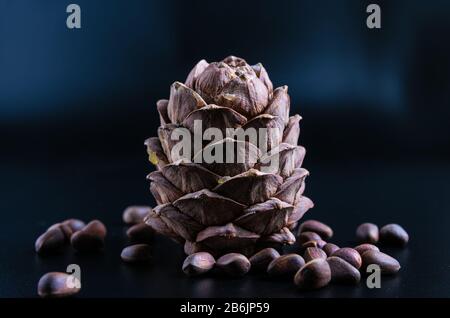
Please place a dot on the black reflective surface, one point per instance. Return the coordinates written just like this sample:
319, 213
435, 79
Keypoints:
346, 194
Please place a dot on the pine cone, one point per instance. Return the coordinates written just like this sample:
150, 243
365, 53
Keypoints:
240, 204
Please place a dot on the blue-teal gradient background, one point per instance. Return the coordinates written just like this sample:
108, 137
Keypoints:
362, 93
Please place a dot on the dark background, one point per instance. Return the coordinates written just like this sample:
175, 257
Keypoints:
76, 106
